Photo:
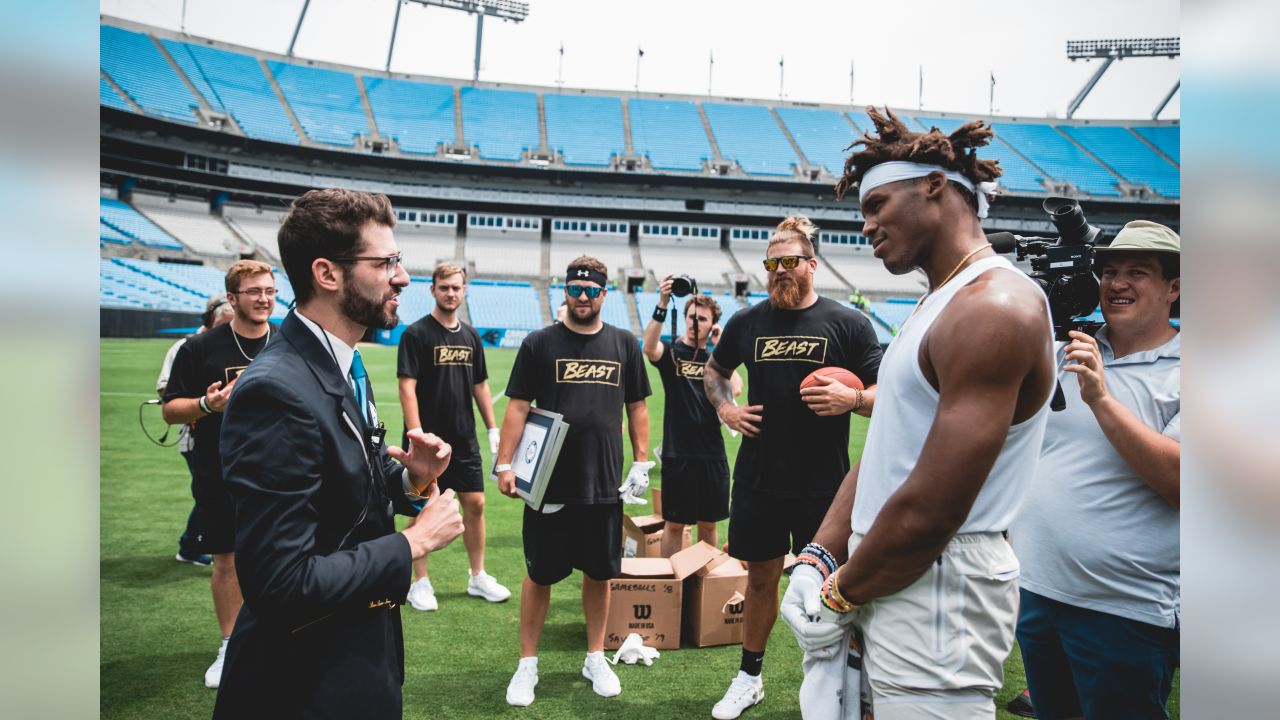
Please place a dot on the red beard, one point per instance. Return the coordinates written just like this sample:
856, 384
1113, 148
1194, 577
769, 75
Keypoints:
789, 291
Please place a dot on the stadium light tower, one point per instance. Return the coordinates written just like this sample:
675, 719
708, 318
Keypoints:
1112, 50
512, 10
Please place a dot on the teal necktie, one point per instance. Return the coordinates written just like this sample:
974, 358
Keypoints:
358, 376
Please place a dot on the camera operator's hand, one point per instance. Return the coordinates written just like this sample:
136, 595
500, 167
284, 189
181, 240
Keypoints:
714, 337
743, 418
664, 292
216, 399
831, 397
1085, 360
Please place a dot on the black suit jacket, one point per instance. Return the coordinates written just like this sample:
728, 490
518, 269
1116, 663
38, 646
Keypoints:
321, 567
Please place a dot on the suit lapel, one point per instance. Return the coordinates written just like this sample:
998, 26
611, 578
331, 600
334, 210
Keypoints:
325, 368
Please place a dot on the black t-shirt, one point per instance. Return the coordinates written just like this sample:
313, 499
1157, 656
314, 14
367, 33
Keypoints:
588, 379
690, 426
202, 359
798, 453
447, 364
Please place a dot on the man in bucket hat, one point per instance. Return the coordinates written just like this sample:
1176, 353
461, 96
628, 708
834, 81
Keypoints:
1098, 535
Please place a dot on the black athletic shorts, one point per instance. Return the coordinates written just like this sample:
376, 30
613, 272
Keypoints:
464, 474
695, 490
586, 537
215, 513
764, 527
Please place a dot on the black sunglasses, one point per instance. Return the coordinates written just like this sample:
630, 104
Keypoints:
592, 291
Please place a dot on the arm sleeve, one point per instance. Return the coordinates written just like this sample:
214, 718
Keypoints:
183, 376
481, 369
523, 383
637, 374
407, 355
273, 460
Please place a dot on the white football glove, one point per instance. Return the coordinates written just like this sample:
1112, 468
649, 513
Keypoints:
495, 435
817, 628
634, 650
636, 483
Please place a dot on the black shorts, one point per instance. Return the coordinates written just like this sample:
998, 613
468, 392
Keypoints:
695, 490
215, 513
586, 537
764, 527
464, 474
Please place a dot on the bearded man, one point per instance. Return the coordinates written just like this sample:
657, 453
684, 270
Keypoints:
795, 446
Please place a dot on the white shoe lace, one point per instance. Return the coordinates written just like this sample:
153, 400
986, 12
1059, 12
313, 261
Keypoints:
739, 690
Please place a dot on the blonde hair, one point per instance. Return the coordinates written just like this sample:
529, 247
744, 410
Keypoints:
448, 270
799, 225
243, 269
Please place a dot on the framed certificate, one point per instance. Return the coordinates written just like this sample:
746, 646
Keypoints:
536, 454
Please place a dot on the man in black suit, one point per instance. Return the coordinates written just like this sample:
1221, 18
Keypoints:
321, 567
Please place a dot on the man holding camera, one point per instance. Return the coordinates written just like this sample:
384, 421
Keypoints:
1098, 535
795, 446
587, 371
203, 374
695, 472
912, 552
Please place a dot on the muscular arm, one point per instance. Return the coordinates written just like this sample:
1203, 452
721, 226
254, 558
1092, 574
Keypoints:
638, 429
1156, 458
512, 427
835, 530
717, 385
653, 347
981, 365
409, 403
484, 401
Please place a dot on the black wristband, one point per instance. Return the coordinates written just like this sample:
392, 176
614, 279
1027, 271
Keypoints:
659, 313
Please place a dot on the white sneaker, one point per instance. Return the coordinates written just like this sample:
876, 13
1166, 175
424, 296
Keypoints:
603, 680
745, 691
422, 596
520, 689
213, 676
483, 585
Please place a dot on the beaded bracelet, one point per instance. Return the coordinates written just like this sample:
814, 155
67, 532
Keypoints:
821, 554
812, 561
832, 598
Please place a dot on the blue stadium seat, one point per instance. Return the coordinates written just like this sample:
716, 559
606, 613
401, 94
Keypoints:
241, 87
1128, 155
822, 136
1056, 155
669, 133
749, 135
862, 120
1166, 137
893, 312
883, 334
1019, 175
325, 102
614, 312
130, 283
648, 300
130, 223
584, 129
108, 96
181, 54
416, 301
419, 116
501, 123
510, 306
109, 234
137, 66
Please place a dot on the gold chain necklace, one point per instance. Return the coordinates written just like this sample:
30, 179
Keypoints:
237, 339
947, 279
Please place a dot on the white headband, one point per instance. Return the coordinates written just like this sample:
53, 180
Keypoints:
896, 170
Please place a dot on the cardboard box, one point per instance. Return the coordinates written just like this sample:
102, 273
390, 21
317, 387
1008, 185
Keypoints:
642, 534
648, 597
714, 601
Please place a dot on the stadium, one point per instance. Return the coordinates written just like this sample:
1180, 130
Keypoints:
205, 143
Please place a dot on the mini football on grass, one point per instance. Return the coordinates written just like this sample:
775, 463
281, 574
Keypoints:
839, 374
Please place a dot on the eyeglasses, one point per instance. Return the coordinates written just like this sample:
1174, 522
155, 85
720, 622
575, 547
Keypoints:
788, 262
255, 293
592, 291
389, 263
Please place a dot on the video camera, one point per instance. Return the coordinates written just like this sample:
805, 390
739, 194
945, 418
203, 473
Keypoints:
1062, 266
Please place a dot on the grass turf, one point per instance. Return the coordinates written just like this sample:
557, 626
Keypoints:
159, 633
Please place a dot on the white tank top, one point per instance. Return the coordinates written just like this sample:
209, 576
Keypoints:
904, 411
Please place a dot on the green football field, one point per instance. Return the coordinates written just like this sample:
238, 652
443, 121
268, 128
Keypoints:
159, 633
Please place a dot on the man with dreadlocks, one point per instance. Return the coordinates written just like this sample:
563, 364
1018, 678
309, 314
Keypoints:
911, 556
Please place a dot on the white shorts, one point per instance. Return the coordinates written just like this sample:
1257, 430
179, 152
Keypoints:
936, 649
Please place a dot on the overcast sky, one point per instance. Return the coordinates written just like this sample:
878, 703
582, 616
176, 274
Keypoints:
958, 44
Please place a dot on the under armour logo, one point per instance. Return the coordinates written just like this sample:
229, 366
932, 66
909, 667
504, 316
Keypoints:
584, 273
